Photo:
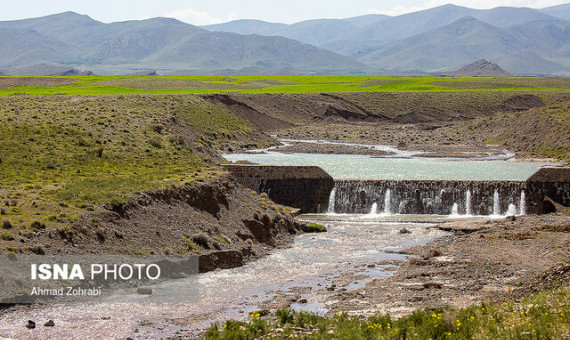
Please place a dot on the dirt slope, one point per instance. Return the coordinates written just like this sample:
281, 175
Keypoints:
215, 218
276, 111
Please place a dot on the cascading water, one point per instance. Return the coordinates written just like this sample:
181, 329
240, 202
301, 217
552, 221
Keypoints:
426, 197
454, 210
374, 209
496, 204
468, 203
387, 210
523, 203
512, 210
331, 201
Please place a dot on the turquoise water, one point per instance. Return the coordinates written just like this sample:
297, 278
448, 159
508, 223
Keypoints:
366, 167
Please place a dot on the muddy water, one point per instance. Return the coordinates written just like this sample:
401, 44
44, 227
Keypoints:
348, 256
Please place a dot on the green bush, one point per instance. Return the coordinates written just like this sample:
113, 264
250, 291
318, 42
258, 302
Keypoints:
315, 228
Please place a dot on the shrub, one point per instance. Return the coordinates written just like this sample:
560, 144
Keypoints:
201, 240
7, 224
315, 228
37, 225
6, 236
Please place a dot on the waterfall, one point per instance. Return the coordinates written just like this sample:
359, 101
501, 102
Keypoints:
374, 209
512, 211
429, 197
468, 203
454, 211
331, 201
387, 210
496, 204
523, 203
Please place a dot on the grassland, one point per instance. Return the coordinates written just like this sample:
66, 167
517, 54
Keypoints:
543, 316
61, 156
97, 85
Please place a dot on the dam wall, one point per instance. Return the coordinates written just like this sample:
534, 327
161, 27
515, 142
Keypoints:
312, 190
303, 187
431, 197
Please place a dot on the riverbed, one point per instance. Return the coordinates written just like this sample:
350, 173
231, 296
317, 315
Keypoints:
347, 257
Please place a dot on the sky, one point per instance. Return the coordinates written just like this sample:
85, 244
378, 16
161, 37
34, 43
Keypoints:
205, 12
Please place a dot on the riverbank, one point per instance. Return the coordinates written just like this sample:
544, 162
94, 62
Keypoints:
481, 261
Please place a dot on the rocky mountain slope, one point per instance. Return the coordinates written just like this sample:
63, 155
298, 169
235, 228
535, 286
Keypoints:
159, 43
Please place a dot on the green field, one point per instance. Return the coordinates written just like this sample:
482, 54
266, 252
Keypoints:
61, 156
95, 85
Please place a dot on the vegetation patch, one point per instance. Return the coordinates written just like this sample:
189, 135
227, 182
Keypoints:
62, 156
544, 316
101, 85
315, 228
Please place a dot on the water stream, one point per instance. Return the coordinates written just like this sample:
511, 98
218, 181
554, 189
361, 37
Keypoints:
349, 255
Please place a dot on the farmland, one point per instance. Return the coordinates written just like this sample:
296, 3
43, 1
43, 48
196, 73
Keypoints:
98, 85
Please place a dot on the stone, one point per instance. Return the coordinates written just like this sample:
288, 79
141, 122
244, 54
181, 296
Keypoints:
50, 323
30, 324
144, 291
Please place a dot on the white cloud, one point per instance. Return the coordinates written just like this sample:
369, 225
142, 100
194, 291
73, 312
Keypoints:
194, 17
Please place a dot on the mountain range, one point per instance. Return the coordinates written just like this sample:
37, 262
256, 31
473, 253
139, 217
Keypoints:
523, 41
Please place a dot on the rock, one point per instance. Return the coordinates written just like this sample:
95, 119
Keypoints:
405, 231
263, 312
435, 285
331, 288
303, 301
30, 324
144, 291
50, 323
371, 266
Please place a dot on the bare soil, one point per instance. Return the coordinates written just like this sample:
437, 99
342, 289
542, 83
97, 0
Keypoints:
435, 140
481, 261
35, 81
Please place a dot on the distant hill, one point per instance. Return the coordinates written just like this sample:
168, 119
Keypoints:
439, 40
481, 68
560, 11
247, 26
315, 32
408, 25
44, 69
162, 44
452, 46
367, 19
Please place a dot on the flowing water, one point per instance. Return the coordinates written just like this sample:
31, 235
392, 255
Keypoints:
350, 254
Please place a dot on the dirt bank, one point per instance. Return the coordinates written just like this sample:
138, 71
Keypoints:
492, 260
221, 221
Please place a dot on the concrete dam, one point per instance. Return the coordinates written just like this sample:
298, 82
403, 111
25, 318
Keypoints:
312, 190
